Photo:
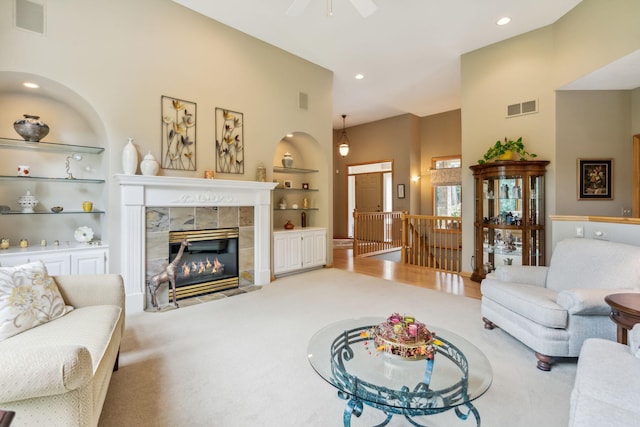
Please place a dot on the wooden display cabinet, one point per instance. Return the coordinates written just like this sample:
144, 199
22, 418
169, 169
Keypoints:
509, 220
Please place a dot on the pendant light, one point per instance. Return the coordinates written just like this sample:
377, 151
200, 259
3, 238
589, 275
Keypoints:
343, 146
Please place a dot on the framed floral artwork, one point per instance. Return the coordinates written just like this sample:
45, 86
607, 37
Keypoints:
595, 179
178, 134
229, 141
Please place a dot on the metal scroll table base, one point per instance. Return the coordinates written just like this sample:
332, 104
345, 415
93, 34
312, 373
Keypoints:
419, 402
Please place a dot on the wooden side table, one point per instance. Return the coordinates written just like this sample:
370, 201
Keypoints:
625, 312
6, 417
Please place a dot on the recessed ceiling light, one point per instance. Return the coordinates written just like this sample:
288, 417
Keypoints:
359, 76
289, 135
30, 85
503, 21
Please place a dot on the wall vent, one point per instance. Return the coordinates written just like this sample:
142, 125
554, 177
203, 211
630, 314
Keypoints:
303, 101
29, 16
522, 108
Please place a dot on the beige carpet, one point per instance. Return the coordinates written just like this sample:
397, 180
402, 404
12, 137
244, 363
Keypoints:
242, 361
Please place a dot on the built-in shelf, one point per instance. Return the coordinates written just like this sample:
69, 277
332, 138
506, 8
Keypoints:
46, 178
279, 169
49, 146
51, 213
296, 209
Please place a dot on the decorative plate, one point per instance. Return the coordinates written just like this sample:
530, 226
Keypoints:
83, 234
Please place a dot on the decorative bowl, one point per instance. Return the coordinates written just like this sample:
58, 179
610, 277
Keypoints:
83, 234
57, 209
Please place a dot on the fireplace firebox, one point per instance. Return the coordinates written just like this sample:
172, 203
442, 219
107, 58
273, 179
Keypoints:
208, 264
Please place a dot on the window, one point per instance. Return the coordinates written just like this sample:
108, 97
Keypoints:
446, 180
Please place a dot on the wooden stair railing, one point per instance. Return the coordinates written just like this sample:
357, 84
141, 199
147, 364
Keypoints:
427, 241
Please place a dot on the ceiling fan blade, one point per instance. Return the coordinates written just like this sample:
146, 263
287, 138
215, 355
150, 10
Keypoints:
297, 7
364, 7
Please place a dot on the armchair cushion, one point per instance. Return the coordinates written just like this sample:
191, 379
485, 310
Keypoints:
527, 275
586, 302
536, 303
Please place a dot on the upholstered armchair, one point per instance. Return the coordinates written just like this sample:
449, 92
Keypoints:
553, 309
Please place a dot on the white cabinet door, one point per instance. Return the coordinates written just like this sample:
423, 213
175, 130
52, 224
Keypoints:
57, 264
319, 247
287, 251
89, 262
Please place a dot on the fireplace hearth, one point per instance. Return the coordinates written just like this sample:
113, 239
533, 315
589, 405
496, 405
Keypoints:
208, 264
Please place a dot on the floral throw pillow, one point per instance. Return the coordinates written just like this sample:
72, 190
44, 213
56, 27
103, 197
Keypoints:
28, 297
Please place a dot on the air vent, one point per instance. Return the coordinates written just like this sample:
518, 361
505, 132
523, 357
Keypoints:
29, 16
522, 108
303, 101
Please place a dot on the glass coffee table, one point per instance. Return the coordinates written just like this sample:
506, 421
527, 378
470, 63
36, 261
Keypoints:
347, 359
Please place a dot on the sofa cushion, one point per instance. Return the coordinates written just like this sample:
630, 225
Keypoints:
533, 302
589, 263
28, 297
605, 392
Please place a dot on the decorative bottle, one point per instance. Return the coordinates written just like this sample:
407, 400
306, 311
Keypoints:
129, 158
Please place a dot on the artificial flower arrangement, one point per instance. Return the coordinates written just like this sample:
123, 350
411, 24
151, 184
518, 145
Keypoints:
403, 336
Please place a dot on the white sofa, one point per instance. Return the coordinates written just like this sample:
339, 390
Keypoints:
554, 309
58, 373
606, 391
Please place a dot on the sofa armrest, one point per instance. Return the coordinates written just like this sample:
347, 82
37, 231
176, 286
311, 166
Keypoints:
525, 274
82, 290
43, 371
587, 301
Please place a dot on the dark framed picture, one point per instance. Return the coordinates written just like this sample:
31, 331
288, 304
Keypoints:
288, 184
400, 191
595, 179
305, 185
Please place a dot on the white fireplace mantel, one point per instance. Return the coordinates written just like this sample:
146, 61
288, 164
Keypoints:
137, 192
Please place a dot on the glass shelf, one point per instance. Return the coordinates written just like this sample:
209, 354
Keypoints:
45, 178
279, 169
51, 213
49, 146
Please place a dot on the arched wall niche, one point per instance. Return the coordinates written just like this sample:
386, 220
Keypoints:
307, 154
72, 120
304, 148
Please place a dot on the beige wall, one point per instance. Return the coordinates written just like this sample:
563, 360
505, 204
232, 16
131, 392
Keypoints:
393, 139
593, 124
121, 56
440, 136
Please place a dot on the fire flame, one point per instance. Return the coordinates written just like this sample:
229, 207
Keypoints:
201, 267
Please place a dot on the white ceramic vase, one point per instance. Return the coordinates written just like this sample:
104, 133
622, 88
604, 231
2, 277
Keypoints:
129, 158
149, 165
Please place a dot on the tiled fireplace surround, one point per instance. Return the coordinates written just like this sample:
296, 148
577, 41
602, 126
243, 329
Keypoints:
152, 206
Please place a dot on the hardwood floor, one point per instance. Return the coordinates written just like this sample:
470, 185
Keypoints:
410, 274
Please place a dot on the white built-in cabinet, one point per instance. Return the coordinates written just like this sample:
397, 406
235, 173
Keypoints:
299, 249
72, 260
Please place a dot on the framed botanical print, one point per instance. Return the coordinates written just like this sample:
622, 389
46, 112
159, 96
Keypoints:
595, 179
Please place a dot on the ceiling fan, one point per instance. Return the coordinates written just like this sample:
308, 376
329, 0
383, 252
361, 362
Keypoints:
364, 7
